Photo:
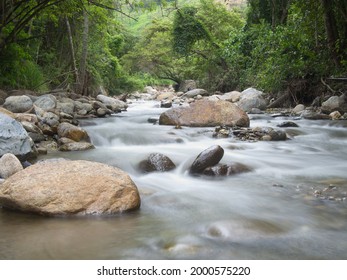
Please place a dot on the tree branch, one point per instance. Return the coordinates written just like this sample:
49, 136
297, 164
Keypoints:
112, 9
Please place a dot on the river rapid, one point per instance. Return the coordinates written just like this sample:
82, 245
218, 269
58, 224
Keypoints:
282, 209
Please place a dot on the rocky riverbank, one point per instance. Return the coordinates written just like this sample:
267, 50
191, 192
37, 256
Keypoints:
33, 124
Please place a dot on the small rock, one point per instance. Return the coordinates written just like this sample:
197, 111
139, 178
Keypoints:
288, 124
298, 109
101, 112
335, 115
165, 104
46, 102
207, 158
73, 132
76, 146
157, 162
9, 165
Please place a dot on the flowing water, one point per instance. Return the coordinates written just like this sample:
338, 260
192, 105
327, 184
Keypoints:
280, 210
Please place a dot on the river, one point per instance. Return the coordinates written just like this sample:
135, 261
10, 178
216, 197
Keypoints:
280, 210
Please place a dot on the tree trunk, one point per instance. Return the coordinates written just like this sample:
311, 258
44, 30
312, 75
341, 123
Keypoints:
83, 64
331, 29
72, 51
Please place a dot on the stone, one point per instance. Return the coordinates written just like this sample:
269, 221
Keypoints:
298, 109
165, 96
336, 115
335, 103
114, 104
79, 106
72, 132
51, 119
76, 146
288, 124
252, 98
156, 162
66, 187
66, 107
9, 165
18, 104
207, 158
232, 96
46, 102
205, 113
3, 94
150, 90
195, 92
30, 127
101, 112
7, 113
165, 104
25, 117
13, 138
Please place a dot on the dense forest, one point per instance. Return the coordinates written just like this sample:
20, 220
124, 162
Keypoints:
292, 47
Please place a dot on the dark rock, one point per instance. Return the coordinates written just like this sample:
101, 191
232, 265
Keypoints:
153, 120
166, 104
288, 124
157, 162
207, 158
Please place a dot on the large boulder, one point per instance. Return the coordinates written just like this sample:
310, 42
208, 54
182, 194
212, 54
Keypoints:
13, 137
335, 103
18, 104
72, 132
114, 104
252, 98
207, 158
205, 113
70, 188
9, 165
157, 162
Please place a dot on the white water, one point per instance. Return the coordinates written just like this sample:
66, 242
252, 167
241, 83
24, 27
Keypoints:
269, 213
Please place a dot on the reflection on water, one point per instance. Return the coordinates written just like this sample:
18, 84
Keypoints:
269, 213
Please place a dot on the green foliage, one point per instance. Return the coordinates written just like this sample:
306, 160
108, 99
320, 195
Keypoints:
18, 70
187, 30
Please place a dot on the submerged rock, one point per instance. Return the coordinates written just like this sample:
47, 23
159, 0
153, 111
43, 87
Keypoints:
157, 162
226, 169
70, 188
207, 158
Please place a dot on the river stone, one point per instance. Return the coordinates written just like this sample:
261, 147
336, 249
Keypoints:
66, 107
252, 98
195, 92
70, 188
298, 109
18, 104
72, 132
9, 165
7, 113
288, 124
13, 137
335, 103
46, 102
335, 115
76, 146
115, 104
207, 158
157, 162
205, 113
